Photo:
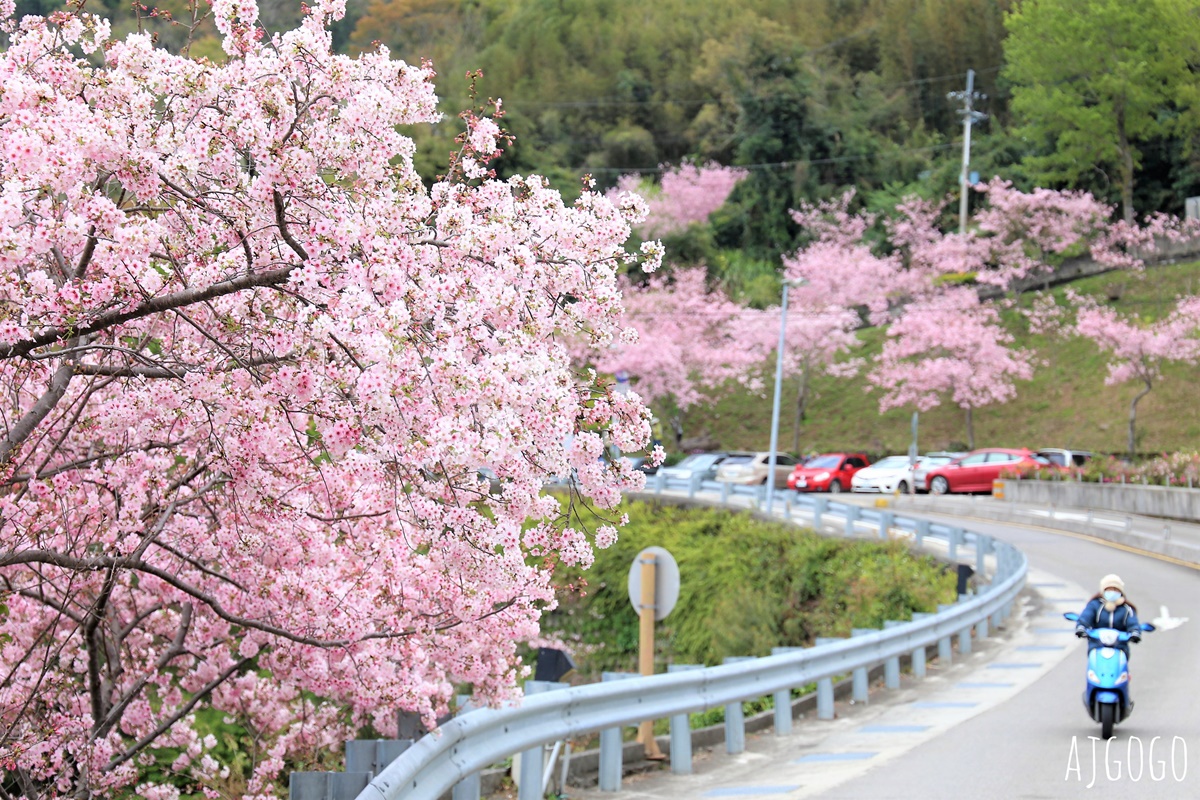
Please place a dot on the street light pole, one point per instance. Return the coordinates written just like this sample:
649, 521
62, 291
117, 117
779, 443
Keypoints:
772, 460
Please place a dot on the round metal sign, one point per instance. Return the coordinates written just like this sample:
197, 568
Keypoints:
666, 582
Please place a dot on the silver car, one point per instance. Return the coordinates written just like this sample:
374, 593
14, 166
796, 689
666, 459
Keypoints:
702, 464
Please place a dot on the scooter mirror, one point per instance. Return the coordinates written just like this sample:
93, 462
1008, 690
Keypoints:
1146, 626
1071, 615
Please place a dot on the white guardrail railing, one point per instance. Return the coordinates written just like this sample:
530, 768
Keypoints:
452, 757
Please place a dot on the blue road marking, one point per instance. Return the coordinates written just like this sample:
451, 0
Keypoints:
894, 728
944, 704
834, 757
1013, 665
984, 685
740, 791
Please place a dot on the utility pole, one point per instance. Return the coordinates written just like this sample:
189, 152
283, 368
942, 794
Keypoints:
970, 117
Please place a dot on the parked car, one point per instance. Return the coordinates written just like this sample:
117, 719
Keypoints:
976, 471
1067, 459
752, 469
891, 474
640, 464
702, 464
828, 472
931, 461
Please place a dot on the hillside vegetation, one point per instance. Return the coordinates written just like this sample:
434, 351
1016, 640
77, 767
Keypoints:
1067, 404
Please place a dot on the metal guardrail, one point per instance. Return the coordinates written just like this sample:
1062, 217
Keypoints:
452, 757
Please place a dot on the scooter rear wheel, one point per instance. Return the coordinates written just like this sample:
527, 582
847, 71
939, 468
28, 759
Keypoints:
1108, 717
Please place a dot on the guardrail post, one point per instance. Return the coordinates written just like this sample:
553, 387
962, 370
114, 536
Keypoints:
983, 546
327, 785
825, 685
945, 648
981, 628
956, 535
735, 718
610, 746
660, 481
694, 484
470, 787
681, 732
820, 506
760, 499
918, 655
372, 755
886, 518
922, 531
851, 518
724, 492
891, 667
964, 636
533, 759
783, 699
787, 507
861, 687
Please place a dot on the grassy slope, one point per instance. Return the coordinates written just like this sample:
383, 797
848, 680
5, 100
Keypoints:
1066, 404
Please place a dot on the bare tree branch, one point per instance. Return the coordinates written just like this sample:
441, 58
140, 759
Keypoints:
34, 416
183, 711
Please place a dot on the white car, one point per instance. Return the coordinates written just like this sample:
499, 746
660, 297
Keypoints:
888, 475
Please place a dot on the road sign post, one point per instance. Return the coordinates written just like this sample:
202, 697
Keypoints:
653, 591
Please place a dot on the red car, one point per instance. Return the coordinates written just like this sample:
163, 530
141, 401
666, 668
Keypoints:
830, 472
975, 471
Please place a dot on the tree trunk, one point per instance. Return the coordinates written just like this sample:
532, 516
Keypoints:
970, 430
1126, 166
801, 407
1133, 420
677, 426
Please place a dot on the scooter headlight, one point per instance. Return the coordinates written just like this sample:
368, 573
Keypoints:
1092, 676
1123, 678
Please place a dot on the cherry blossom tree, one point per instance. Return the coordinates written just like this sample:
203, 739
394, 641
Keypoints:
250, 367
949, 345
1139, 349
945, 341
687, 194
682, 339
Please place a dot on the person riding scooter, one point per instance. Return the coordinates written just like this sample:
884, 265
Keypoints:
1110, 609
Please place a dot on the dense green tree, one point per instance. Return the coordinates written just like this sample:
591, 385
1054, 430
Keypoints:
1094, 80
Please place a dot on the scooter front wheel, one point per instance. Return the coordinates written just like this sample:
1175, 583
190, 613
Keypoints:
1108, 717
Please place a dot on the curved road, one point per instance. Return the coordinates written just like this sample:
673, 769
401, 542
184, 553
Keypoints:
1023, 747
1030, 742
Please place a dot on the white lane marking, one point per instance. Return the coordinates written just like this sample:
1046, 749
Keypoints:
1165, 622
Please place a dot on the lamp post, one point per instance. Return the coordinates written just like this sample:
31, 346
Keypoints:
772, 460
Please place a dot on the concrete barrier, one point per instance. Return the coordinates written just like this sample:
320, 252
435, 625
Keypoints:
1129, 498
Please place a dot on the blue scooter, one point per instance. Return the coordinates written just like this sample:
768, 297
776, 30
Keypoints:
1107, 694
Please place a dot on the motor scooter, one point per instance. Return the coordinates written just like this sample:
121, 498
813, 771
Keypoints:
1107, 694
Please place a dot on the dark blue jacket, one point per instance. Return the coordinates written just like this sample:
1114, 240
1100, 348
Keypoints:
1122, 618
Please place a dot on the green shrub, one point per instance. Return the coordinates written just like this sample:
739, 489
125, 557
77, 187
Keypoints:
746, 586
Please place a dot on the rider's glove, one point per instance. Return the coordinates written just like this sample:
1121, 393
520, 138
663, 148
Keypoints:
1135, 637
1081, 632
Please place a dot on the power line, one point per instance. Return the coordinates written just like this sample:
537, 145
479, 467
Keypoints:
770, 165
607, 102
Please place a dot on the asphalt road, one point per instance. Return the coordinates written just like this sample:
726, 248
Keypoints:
1036, 744
988, 727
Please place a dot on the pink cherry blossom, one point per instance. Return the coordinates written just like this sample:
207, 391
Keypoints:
1139, 349
686, 195
251, 367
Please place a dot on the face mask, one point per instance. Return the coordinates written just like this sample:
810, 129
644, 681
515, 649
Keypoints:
1112, 595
